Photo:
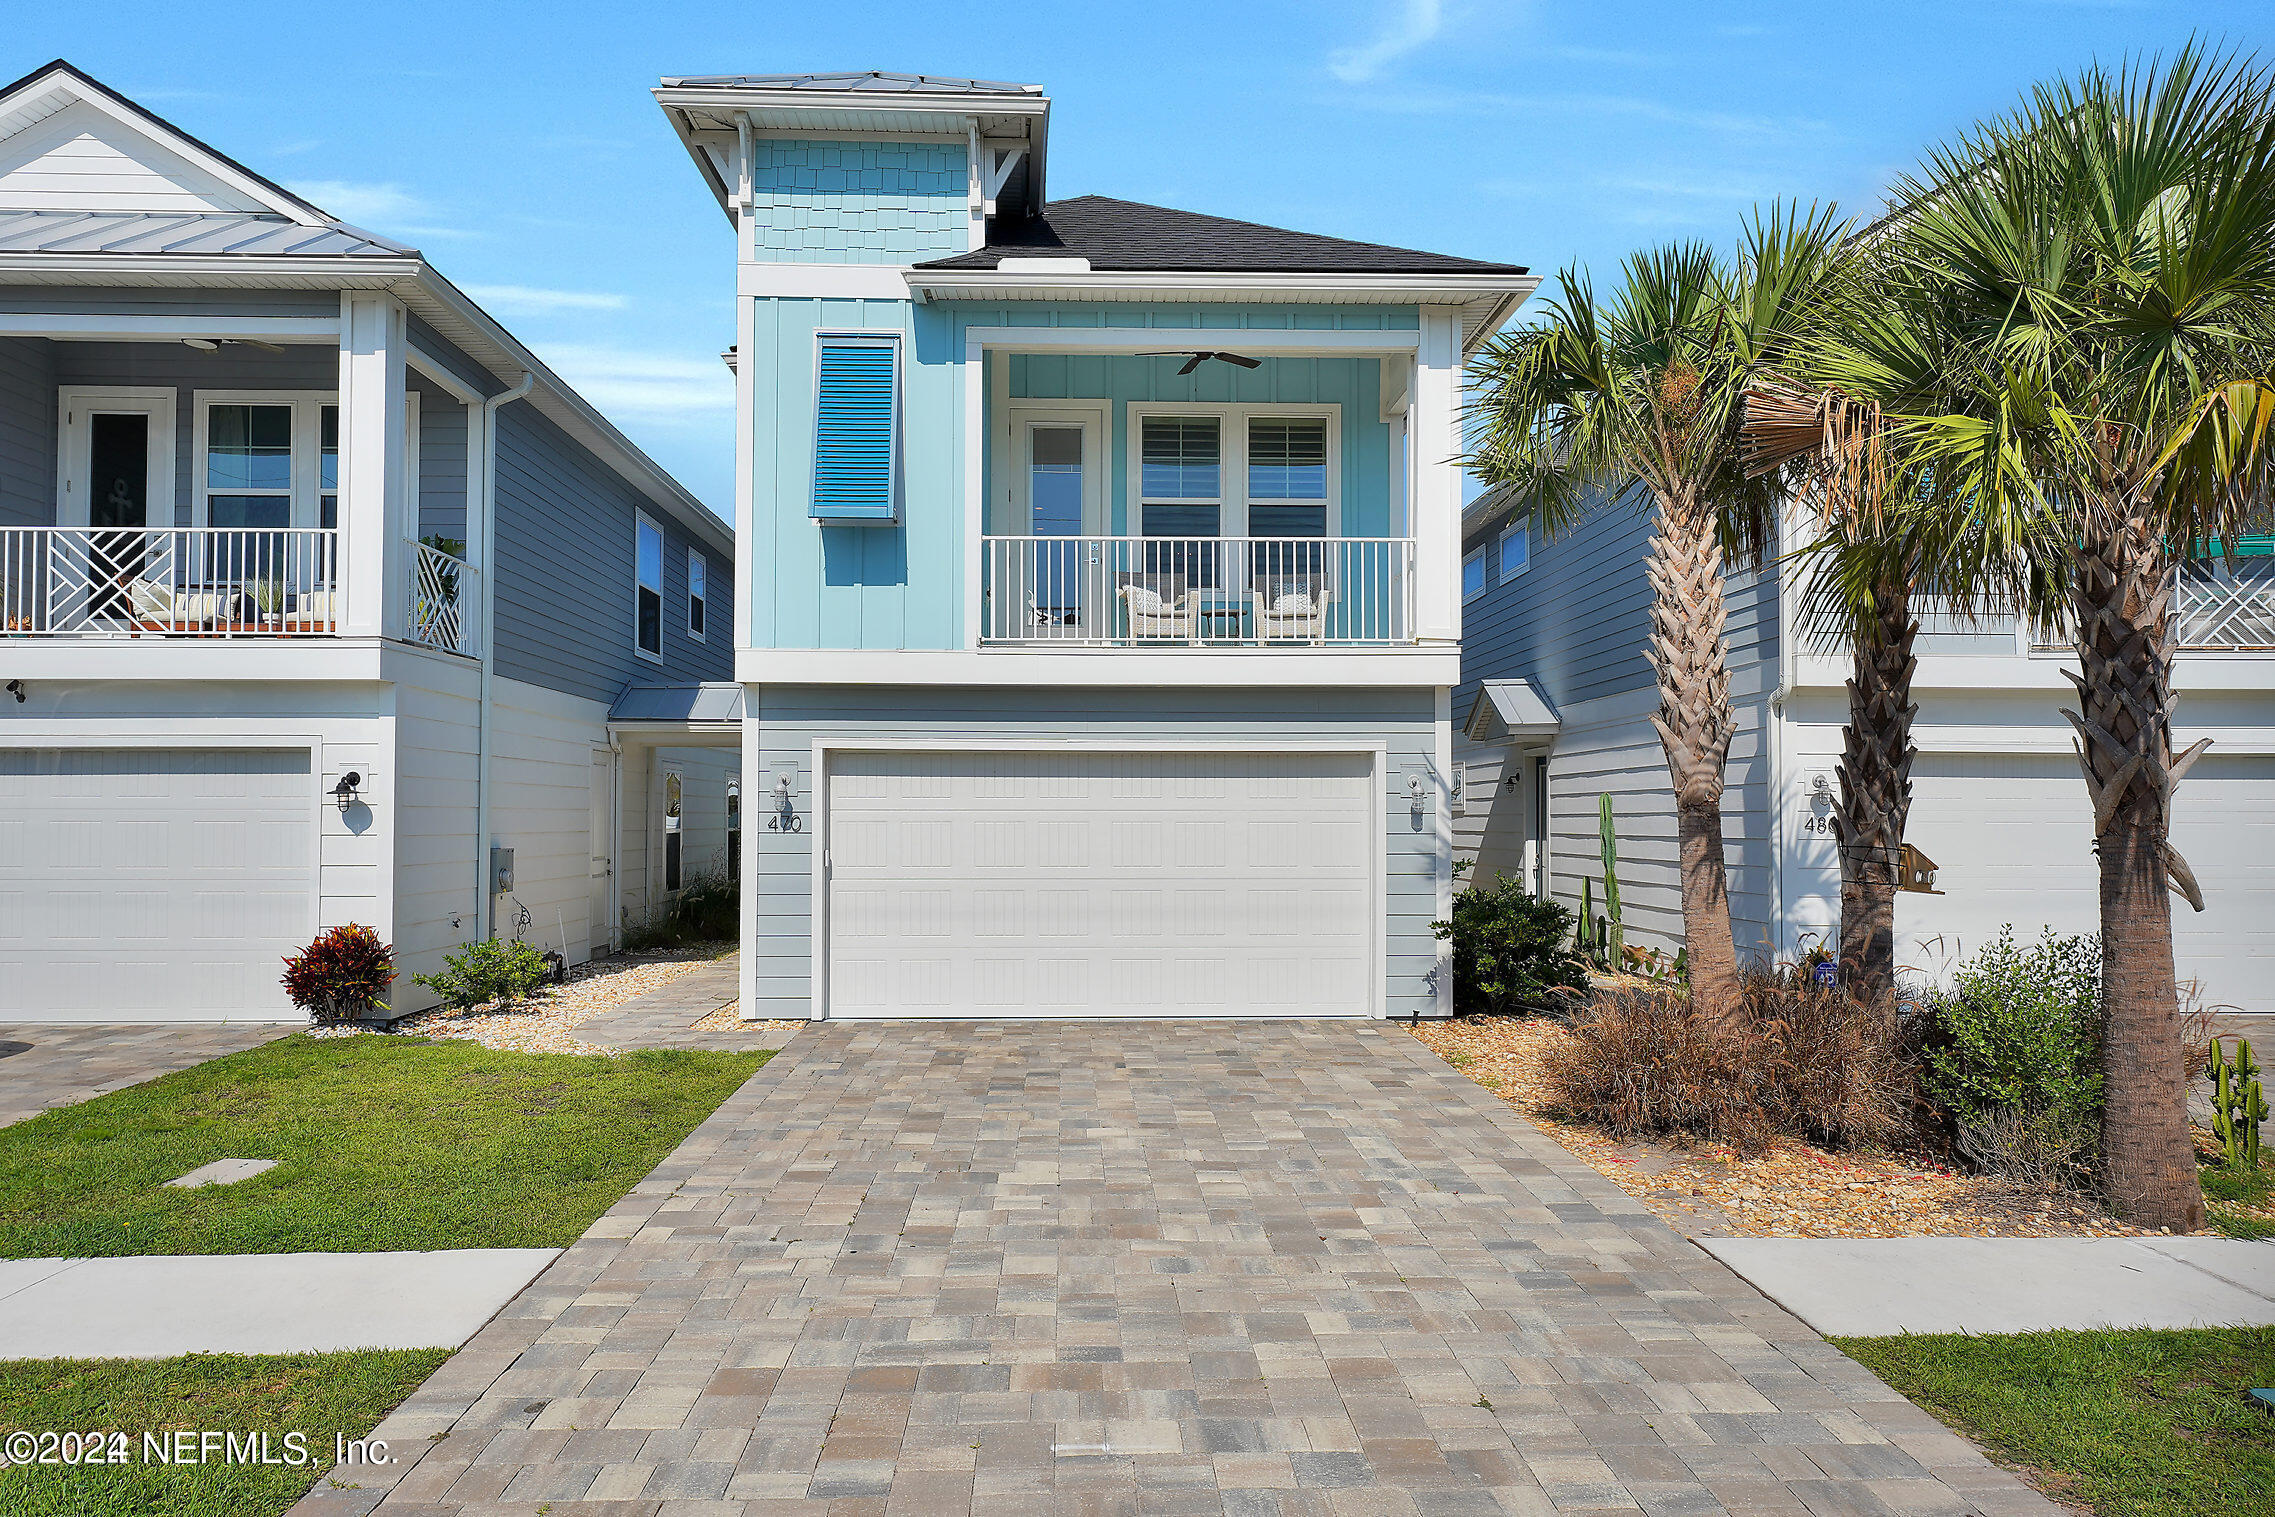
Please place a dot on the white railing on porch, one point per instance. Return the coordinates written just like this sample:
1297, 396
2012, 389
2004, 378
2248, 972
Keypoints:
2221, 610
1154, 592
169, 582
442, 598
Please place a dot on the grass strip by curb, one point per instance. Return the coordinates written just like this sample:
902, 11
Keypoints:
2136, 1423
319, 1396
380, 1143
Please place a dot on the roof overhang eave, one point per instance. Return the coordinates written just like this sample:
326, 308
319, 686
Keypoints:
170, 269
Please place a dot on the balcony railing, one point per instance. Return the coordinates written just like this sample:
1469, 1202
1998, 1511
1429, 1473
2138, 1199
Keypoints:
1155, 592
442, 599
2221, 610
203, 582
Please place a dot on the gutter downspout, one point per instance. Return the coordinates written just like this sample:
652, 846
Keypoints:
486, 900
1780, 919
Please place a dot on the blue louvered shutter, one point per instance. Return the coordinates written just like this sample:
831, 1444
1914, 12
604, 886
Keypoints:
854, 431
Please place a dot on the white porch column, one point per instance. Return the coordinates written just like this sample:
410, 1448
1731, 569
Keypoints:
374, 493
1434, 433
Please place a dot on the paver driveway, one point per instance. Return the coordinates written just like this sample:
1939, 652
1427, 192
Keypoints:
69, 1062
1162, 1267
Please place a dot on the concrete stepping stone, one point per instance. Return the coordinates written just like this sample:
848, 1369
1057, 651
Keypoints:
156, 1306
1874, 1287
221, 1172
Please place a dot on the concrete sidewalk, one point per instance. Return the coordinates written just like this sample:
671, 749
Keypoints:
157, 1306
1871, 1287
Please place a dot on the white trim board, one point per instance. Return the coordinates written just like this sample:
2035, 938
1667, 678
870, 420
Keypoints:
1194, 668
1269, 341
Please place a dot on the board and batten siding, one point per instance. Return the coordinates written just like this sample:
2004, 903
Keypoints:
27, 432
787, 720
901, 585
564, 572
1575, 625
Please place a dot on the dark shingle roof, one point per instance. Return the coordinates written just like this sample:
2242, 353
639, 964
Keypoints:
873, 82
1123, 235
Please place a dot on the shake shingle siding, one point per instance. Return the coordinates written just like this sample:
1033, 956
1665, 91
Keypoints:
565, 542
27, 432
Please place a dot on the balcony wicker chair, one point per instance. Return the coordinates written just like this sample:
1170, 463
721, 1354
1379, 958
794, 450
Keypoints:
1291, 608
1157, 606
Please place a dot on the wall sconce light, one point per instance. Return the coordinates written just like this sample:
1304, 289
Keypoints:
16, 689
344, 791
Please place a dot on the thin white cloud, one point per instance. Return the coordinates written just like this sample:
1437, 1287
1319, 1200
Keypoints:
528, 300
382, 207
642, 381
1411, 24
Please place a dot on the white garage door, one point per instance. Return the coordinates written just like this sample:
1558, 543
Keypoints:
1111, 885
2013, 837
151, 884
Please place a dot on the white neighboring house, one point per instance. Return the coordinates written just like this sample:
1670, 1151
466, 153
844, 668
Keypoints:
316, 588
1555, 711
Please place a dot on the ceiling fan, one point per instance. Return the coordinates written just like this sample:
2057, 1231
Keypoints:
1194, 359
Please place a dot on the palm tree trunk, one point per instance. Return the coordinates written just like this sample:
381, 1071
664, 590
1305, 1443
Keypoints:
1876, 791
2126, 636
1694, 722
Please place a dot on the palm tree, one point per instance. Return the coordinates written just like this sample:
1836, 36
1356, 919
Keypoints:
1637, 396
2105, 255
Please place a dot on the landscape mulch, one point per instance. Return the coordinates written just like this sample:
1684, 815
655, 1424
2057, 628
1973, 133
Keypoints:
547, 1022
1795, 1190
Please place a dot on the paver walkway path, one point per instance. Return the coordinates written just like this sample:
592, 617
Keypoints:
71, 1062
662, 1017
1201, 1267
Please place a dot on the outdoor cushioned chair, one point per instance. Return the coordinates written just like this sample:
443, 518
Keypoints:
313, 609
1156, 605
150, 599
1291, 607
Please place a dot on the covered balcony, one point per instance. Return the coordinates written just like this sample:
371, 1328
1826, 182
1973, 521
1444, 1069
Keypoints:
1261, 493
259, 479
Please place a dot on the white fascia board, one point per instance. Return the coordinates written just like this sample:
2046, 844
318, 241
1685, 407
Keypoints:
170, 269
1266, 340
211, 660
822, 281
1191, 668
721, 97
111, 326
431, 295
1404, 289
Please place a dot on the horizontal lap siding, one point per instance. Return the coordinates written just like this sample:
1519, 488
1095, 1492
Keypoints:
442, 464
788, 720
565, 535
27, 432
1575, 625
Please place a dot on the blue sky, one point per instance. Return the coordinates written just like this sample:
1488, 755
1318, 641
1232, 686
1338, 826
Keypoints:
518, 147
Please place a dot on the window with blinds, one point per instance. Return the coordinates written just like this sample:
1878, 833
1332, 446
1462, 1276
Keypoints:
1287, 477
1181, 475
857, 430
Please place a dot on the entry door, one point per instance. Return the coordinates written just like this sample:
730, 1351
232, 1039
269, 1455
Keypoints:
118, 479
675, 802
1058, 492
601, 821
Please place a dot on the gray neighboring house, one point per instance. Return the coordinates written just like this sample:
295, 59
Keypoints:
318, 593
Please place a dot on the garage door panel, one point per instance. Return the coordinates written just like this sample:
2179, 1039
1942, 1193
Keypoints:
1100, 884
2012, 837
170, 882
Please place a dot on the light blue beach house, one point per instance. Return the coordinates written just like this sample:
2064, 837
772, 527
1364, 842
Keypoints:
1098, 597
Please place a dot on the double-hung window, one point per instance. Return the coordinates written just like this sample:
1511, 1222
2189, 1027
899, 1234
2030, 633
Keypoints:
648, 590
856, 428
1287, 476
698, 592
1474, 565
1181, 476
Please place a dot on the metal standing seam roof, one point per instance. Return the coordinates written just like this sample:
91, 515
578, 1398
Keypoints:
199, 234
1519, 710
1129, 236
871, 82
705, 702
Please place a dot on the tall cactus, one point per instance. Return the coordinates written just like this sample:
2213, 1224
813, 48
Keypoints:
2238, 1105
1607, 839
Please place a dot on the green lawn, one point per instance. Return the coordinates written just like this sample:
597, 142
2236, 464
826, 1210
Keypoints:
381, 1143
2131, 1424
315, 1395
2249, 1187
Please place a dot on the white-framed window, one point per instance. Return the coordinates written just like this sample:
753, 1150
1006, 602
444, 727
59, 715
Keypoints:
1474, 567
271, 458
698, 593
1249, 470
1515, 548
648, 589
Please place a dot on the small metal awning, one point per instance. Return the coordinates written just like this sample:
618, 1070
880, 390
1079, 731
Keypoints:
695, 715
1510, 711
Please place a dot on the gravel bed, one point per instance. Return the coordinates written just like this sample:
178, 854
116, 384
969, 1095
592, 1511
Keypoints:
1796, 1190
547, 1022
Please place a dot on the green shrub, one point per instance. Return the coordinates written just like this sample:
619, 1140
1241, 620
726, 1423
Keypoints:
1509, 953
495, 970
709, 910
2014, 1056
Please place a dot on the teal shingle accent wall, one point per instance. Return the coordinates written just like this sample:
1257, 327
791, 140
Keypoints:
854, 202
